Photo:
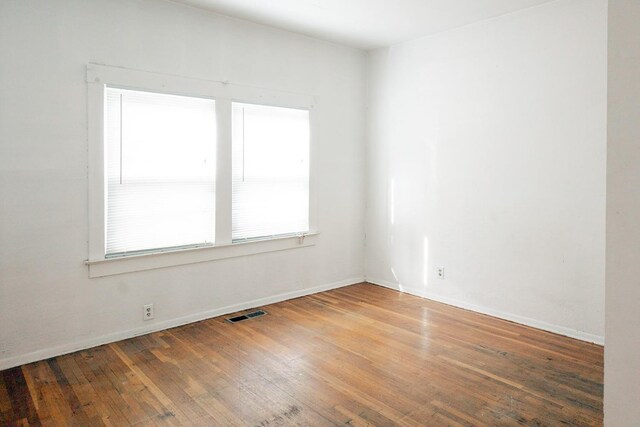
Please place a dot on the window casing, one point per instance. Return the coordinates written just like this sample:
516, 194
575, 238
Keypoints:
207, 179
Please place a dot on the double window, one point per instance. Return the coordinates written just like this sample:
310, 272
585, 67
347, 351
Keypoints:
205, 168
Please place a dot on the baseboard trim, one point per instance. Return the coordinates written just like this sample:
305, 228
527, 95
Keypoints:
538, 324
59, 350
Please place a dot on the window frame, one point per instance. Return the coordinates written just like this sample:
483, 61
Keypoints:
224, 94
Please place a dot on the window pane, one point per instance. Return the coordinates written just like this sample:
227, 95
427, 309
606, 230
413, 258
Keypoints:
270, 171
160, 170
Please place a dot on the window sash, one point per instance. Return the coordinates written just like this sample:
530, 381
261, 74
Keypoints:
270, 172
160, 171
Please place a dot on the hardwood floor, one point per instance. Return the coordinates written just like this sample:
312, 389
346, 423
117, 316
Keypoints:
360, 355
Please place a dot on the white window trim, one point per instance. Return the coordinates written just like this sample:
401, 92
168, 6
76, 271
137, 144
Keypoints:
224, 93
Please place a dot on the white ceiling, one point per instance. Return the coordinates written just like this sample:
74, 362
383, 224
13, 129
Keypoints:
365, 24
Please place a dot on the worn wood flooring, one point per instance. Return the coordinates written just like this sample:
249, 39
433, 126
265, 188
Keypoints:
356, 356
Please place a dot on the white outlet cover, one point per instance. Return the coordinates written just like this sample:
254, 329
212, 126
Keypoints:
147, 312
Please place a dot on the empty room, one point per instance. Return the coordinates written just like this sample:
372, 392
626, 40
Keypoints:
320, 212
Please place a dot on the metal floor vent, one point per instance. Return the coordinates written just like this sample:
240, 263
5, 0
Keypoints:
246, 316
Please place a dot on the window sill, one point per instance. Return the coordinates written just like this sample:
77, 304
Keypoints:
128, 264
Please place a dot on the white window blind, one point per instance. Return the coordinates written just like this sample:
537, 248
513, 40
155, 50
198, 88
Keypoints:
270, 171
160, 171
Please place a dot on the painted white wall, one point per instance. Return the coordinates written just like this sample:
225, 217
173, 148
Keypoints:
48, 305
622, 353
486, 156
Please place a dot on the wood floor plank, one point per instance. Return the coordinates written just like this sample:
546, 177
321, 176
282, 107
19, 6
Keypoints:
21, 407
360, 355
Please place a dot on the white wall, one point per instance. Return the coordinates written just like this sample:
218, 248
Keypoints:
47, 303
622, 353
486, 155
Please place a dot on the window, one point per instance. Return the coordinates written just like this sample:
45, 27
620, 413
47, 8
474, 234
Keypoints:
160, 171
270, 171
188, 170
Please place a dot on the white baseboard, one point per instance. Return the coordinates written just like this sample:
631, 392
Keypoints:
59, 350
538, 324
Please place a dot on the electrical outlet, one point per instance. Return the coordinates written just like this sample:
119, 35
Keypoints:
440, 272
148, 312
